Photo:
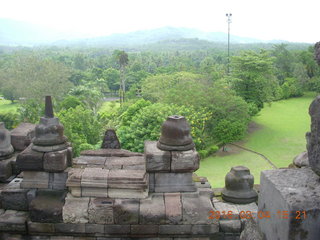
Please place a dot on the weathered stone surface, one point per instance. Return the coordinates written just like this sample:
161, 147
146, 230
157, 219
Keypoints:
34, 227
51, 148
126, 211
110, 153
117, 229
47, 206
208, 192
205, 229
22, 135
94, 177
69, 156
121, 178
55, 161
30, 160
185, 161
230, 209
152, 210
101, 210
74, 177
49, 131
295, 193
89, 161
111, 140
196, 209
156, 160
74, 181
145, 230
75, 210
127, 193
174, 182
135, 162
33, 179
151, 182
251, 231
59, 181
13, 197
313, 137
301, 160
69, 228
175, 135
6, 149
239, 186
94, 228
173, 208
250, 210
5, 169
175, 229
230, 226
90, 192
13, 221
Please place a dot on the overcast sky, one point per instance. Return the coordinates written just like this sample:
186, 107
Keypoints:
291, 20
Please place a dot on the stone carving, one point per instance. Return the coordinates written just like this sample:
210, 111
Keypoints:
239, 186
175, 135
6, 148
49, 133
110, 140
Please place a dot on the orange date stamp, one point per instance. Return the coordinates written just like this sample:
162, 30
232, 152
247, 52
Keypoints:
279, 214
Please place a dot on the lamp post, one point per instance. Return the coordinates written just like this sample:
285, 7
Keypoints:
229, 15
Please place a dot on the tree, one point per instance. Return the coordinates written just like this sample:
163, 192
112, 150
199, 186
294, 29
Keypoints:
122, 60
182, 88
253, 77
228, 131
34, 77
112, 77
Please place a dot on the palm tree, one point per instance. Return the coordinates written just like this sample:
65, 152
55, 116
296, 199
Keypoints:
123, 60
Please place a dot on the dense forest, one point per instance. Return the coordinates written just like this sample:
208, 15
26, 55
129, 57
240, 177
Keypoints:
191, 77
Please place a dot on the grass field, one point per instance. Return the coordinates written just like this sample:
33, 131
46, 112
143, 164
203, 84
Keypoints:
7, 106
279, 135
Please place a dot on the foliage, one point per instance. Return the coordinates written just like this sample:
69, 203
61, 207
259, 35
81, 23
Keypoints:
90, 96
181, 88
112, 77
70, 102
208, 151
31, 76
291, 88
253, 77
229, 131
31, 110
10, 119
81, 127
145, 124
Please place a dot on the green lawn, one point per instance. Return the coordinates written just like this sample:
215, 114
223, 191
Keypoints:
7, 106
280, 137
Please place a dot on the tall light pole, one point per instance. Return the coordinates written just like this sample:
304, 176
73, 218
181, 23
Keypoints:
229, 15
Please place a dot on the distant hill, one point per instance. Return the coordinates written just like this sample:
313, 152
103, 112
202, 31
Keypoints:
15, 33
157, 35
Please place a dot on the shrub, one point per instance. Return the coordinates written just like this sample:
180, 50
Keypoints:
81, 127
147, 122
10, 119
31, 111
